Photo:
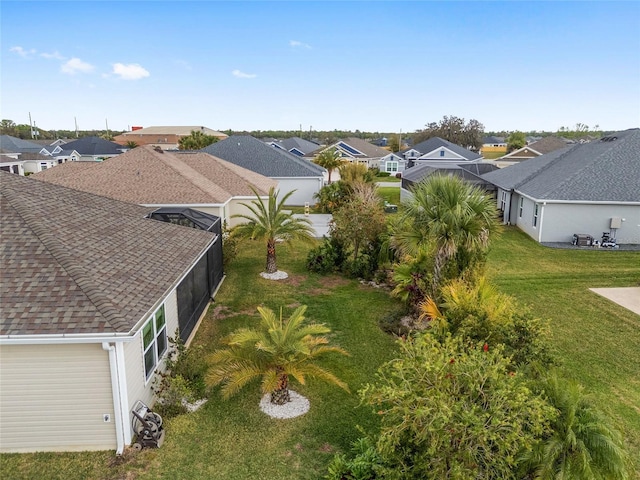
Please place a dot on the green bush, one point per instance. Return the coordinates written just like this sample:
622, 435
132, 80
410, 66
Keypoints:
362, 466
328, 257
383, 174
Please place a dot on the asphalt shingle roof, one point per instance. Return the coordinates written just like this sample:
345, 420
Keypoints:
250, 153
468, 172
604, 171
305, 146
145, 176
77, 263
436, 142
94, 146
9, 144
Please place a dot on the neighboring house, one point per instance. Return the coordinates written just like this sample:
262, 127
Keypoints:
493, 146
91, 149
11, 164
167, 138
356, 150
541, 147
28, 157
471, 173
13, 145
295, 145
91, 290
290, 171
587, 188
438, 152
163, 179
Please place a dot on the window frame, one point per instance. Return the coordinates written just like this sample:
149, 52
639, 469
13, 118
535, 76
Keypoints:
521, 207
158, 344
535, 215
391, 163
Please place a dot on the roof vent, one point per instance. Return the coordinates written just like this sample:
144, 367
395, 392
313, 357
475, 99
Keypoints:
609, 138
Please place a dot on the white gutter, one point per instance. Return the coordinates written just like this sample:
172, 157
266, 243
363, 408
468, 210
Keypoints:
574, 202
540, 222
115, 389
124, 394
53, 339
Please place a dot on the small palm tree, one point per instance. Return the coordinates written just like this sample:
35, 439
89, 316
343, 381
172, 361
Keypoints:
272, 223
131, 144
274, 351
582, 445
451, 217
330, 160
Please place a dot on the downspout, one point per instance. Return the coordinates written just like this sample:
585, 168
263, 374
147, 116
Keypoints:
541, 215
115, 389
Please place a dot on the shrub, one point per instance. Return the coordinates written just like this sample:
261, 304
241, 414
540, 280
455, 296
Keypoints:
326, 258
383, 174
362, 466
392, 323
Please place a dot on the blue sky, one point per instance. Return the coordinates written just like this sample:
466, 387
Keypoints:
372, 66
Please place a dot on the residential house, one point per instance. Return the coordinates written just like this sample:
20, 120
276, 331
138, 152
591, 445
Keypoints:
293, 173
91, 290
437, 151
166, 138
583, 188
493, 146
356, 150
541, 147
91, 149
11, 164
23, 156
471, 173
153, 178
295, 145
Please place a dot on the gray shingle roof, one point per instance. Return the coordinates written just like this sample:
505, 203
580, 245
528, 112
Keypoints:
305, 146
94, 146
9, 144
602, 171
77, 263
436, 142
472, 172
252, 154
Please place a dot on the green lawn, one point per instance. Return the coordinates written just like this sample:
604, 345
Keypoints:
597, 341
390, 178
390, 194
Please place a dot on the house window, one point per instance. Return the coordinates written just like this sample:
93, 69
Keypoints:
154, 341
503, 201
43, 166
535, 215
521, 207
442, 153
392, 167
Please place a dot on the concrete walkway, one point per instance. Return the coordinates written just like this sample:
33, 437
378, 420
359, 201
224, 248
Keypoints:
628, 297
319, 222
389, 184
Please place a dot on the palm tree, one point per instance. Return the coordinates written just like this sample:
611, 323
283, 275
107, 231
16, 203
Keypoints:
453, 219
196, 140
582, 446
330, 160
131, 144
274, 351
272, 223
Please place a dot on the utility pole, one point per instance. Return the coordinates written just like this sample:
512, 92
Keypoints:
107, 125
76, 122
30, 125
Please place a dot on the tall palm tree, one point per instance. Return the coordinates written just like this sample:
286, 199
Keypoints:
274, 351
330, 160
582, 446
272, 223
450, 217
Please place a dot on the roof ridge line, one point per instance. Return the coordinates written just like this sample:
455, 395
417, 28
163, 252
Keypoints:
189, 173
538, 170
96, 296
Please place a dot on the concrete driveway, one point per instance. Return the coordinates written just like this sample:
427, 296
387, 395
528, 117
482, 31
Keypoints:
628, 297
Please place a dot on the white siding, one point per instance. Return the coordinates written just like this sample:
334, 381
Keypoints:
137, 386
305, 189
53, 398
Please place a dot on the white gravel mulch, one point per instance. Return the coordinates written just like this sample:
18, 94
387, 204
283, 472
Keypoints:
278, 275
298, 405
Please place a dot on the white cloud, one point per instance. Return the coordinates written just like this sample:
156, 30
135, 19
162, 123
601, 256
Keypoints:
132, 71
298, 44
75, 65
239, 74
22, 52
55, 55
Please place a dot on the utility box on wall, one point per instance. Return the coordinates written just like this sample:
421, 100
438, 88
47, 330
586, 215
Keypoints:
616, 222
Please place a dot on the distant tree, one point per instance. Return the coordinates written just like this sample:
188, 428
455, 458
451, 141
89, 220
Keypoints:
330, 160
352, 173
274, 351
394, 144
454, 129
7, 127
272, 223
515, 141
196, 141
131, 144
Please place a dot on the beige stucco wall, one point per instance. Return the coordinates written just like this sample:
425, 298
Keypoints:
53, 398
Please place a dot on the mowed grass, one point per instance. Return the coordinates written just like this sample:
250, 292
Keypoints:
233, 439
598, 341
390, 194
